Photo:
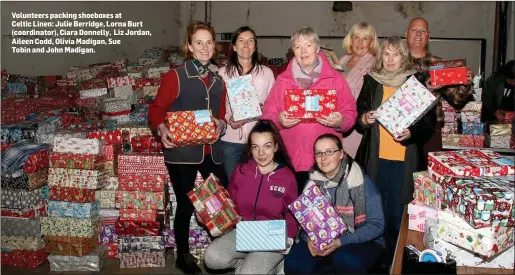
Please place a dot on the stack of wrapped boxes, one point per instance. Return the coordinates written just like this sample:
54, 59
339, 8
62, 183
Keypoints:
73, 224
471, 126
464, 203
142, 178
23, 196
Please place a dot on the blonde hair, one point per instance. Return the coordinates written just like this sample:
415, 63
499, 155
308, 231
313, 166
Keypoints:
308, 33
396, 44
368, 31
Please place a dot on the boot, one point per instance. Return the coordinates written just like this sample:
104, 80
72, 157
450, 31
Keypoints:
186, 263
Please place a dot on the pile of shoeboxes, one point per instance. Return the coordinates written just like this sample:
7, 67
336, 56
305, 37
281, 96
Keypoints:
24, 194
464, 203
472, 128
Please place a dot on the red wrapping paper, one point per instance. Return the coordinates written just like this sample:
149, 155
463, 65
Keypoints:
479, 141
24, 258
57, 101
467, 141
186, 132
71, 194
38, 211
145, 163
6, 146
91, 102
15, 109
295, 101
448, 72
92, 84
137, 215
36, 162
142, 82
146, 143
137, 228
66, 82
111, 151
142, 182
112, 250
76, 161
109, 137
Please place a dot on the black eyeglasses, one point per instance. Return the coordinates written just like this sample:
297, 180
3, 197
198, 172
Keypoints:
327, 153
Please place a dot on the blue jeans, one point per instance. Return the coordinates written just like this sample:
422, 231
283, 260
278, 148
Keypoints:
232, 155
348, 259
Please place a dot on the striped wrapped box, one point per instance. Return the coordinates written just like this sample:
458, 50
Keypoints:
261, 236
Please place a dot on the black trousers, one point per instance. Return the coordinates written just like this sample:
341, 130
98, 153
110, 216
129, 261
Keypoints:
301, 178
183, 177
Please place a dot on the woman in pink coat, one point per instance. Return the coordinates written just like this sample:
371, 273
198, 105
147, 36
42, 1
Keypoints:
308, 70
360, 47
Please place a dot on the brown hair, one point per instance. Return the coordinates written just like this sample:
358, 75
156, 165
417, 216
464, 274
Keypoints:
191, 30
396, 44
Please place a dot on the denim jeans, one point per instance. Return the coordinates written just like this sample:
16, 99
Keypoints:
232, 155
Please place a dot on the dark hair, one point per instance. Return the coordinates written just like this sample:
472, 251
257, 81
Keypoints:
338, 141
508, 70
234, 66
267, 126
191, 30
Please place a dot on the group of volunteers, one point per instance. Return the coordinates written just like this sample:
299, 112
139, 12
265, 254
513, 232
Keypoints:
265, 164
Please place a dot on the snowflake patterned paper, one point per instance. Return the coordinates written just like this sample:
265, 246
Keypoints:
243, 98
405, 107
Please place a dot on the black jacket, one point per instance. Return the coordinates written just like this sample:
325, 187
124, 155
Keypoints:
368, 152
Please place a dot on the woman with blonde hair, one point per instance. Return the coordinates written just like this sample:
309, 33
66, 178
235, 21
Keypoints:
390, 161
360, 46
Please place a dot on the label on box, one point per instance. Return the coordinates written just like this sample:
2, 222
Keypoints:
312, 103
202, 116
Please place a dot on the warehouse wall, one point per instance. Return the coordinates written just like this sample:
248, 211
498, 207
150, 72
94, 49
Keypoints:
160, 18
446, 19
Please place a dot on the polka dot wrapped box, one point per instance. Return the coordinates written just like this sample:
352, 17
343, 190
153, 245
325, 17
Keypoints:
448, 72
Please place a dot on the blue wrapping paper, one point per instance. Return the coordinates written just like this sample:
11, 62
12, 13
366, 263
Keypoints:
472, 128
73, 209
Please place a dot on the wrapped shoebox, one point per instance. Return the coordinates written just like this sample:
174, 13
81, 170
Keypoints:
427, 191
137, 228
243, 98
20, 199
142, 182
450, 128
108, 233
451, 140
140, 115
24, 258
474, 129
156, 71
22, 243
22, 181
500, 130
473, 106
111, 152
310, 104
190, 128
150, 90
21, 227
479, 141
198, 238
467, 141
470, 117
73, 209
36, 162
90, 102
214, 206
142, 259
318, 217
112, 183
140, 200
130, 131
143, 163
93, 262
450, 117
116, 105
72, 246
146, 144
28, 213
78, 145
88, 179
479, 201
81, 74
120, 81
137, 215
418, 213
108, 136
144, 82
261, 236
500, 141
106, 198
93, 92
487, 242
109, 213
76, 161
405, 107
110, 168
16, 88
118, 117
71, 194
71, 227
448, 72
89, 125
143, 244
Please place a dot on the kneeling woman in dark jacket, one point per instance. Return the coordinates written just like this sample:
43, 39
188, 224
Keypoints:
357, 200
390, 161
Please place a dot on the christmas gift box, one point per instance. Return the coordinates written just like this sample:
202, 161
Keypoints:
198, 238
112, 250
16, 88
137, 228
108, 233
78, 145
112, 183
145, 82
190, 128
110, 213
473, 106
480, 201
261, 236
156, 71
214, 206
68, 134
28, 213
146, 144
107, 198
72, 246
406, 106
80, 74
120, 81
140, 200
21, 227
36, 162
474, 129
467, 141
110, 168
28, 182
130, 131
90, 102
243, 98
143, 163
487, 242
150, 90
470, 117
137, 215
88, 126
111, 151
451, 140
427, 191
142, 259
142, 182
116, 105
140, 115
500, 141
418, 213
22, 243
118, 117
71, 194
310, 104
73, 209
76, 161
93, 262
71, 227
500, 130
98, 92
317, 216
479, 141
20, 199
448, 72
450, 117
77, 178
141, 244
24, 258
